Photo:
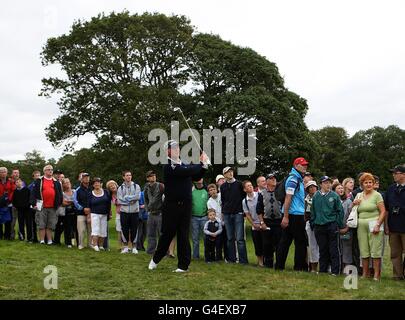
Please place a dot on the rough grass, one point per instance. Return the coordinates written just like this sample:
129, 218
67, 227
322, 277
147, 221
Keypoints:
109, 275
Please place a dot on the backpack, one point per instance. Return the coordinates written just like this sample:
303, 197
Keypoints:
279, 192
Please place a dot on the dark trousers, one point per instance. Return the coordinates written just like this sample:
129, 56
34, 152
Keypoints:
176, 219
258, 242
34, 226
356, 251
224, 243
65, 225
295, 231
271, 240
5, 232
106, 241
24, 222
141, 234
129, 226
212, 248
327, 237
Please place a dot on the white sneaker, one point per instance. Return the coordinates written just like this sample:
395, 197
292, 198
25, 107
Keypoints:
80, 247
49, 242
125, 250
101, 248
134, 251
69, 246
96, 248
152, 265
179, 270
42, 242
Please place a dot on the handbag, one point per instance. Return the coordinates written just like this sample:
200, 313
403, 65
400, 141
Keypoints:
352, 219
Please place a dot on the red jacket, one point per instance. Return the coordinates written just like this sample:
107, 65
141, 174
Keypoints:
8, 187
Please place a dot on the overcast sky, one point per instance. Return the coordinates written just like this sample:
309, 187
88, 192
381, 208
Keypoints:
345, 57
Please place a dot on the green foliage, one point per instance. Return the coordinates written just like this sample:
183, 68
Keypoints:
125, 74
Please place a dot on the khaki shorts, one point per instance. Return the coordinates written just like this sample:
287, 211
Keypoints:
46, 218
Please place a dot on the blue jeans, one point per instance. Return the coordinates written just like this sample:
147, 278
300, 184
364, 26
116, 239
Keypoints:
235, 227
197, 227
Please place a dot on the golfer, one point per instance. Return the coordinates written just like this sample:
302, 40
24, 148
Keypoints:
176, 210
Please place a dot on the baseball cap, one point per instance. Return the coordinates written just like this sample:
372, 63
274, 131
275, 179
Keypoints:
399, 168
220, 176
325, 178
270, 176
307, 174
310, 183
300, 161
226, 169
85, 174
150, 173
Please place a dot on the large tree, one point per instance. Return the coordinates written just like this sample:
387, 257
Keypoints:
124, 75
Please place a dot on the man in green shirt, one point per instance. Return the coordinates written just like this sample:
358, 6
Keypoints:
326, 220
199, 215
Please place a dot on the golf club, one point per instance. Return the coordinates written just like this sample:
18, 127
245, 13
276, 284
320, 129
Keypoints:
192, 133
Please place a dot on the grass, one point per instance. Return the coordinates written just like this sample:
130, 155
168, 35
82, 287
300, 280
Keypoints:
87, 274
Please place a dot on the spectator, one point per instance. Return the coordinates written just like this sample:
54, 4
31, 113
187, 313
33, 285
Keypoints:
214, 202
68, 215
35, 176
14, 176
176, 211
348, 186
346, 237
153, 193
326, 221
307, 177
112, 188
219, 180
128, 195
249, 205
198, 215
269, 213
100, 208
313, 254
232, 195
293, 222
395, 220
48, 197
261, 184
142, 224
81, 202
21, 201
371, 212
6, 196
212, 240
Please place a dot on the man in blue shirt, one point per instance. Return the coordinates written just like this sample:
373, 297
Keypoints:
293, 222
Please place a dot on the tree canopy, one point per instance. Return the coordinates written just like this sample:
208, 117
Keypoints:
124, 75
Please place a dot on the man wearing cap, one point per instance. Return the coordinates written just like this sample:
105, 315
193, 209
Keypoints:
293, 223
219, 180
395, 220
176, 210
153, 193
269, 212
232, 195
313, 253
326, 221
48, 195
81, 202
